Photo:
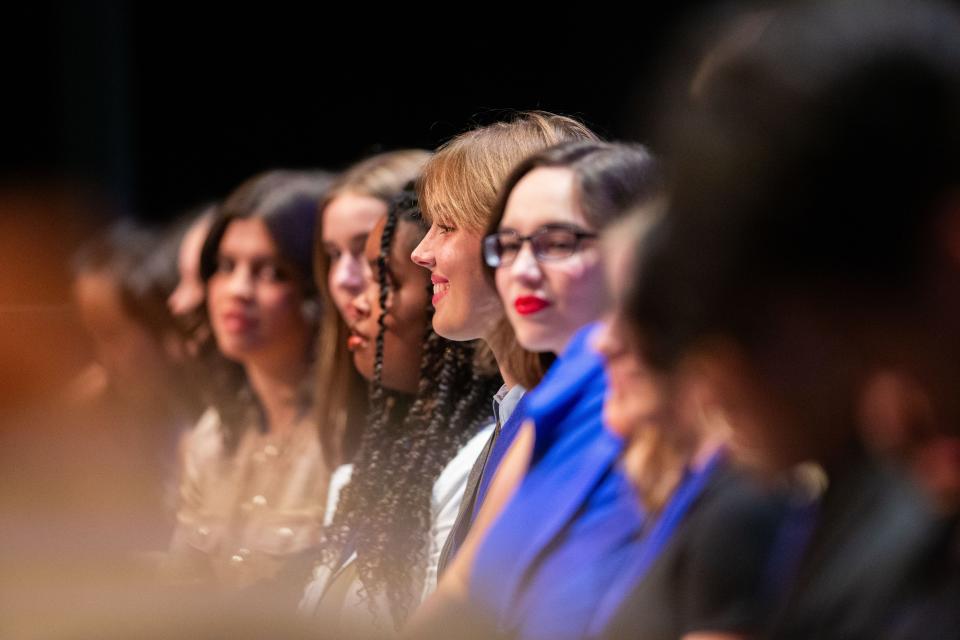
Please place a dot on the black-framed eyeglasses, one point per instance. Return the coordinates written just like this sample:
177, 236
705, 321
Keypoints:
549, 242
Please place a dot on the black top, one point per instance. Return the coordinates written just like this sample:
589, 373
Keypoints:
873, 527
929, 607
710, 575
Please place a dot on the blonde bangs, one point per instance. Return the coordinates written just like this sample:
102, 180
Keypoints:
460, 184
450, 193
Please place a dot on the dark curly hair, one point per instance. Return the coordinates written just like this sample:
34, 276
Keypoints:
384, 513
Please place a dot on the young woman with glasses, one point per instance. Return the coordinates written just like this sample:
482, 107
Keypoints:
559, 480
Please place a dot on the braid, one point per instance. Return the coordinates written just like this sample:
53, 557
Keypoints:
385, 512
378, 408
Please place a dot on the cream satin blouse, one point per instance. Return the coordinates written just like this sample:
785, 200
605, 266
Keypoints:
241, 515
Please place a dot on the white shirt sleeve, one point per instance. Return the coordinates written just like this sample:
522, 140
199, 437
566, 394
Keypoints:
338, 480
313, 592
447, 495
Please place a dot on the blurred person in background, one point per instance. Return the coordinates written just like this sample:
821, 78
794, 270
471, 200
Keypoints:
186, 300
356, 201
115, 306
132, 391
254, 477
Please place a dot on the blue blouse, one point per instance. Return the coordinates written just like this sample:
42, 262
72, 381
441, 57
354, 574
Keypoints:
546, 564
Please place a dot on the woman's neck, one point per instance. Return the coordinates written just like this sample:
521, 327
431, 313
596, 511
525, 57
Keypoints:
500, 355
711, 441
397, 404
277, 387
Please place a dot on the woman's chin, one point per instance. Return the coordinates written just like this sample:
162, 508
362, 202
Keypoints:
616, 420
363, 364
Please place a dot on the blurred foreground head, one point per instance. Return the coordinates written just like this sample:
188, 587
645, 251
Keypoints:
813, 216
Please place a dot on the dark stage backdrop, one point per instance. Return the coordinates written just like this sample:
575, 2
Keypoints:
166, 105
148, 109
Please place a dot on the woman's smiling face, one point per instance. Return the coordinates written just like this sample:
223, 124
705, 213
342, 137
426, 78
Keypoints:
466, 305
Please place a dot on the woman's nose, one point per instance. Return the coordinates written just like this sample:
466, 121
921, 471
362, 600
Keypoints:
348, 274
525, 266
422, 255
361, 305
605, 339
241, 282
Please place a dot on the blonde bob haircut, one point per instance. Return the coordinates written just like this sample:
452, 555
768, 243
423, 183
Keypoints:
460, 186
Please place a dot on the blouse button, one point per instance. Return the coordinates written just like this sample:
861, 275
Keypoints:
259, 500
285, 532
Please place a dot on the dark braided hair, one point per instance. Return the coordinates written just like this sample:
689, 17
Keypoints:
384, 514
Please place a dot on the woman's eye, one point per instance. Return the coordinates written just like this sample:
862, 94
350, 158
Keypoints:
225, 264
558, 244
271, 273
445, 229
509, 247
561, 244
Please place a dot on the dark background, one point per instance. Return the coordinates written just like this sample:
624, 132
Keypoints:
150, 109
161, 106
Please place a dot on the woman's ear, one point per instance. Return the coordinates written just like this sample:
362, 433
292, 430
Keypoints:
311, 311
711, 381
895, 413
720, 398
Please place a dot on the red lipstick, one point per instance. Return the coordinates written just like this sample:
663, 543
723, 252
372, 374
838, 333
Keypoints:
527, 305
